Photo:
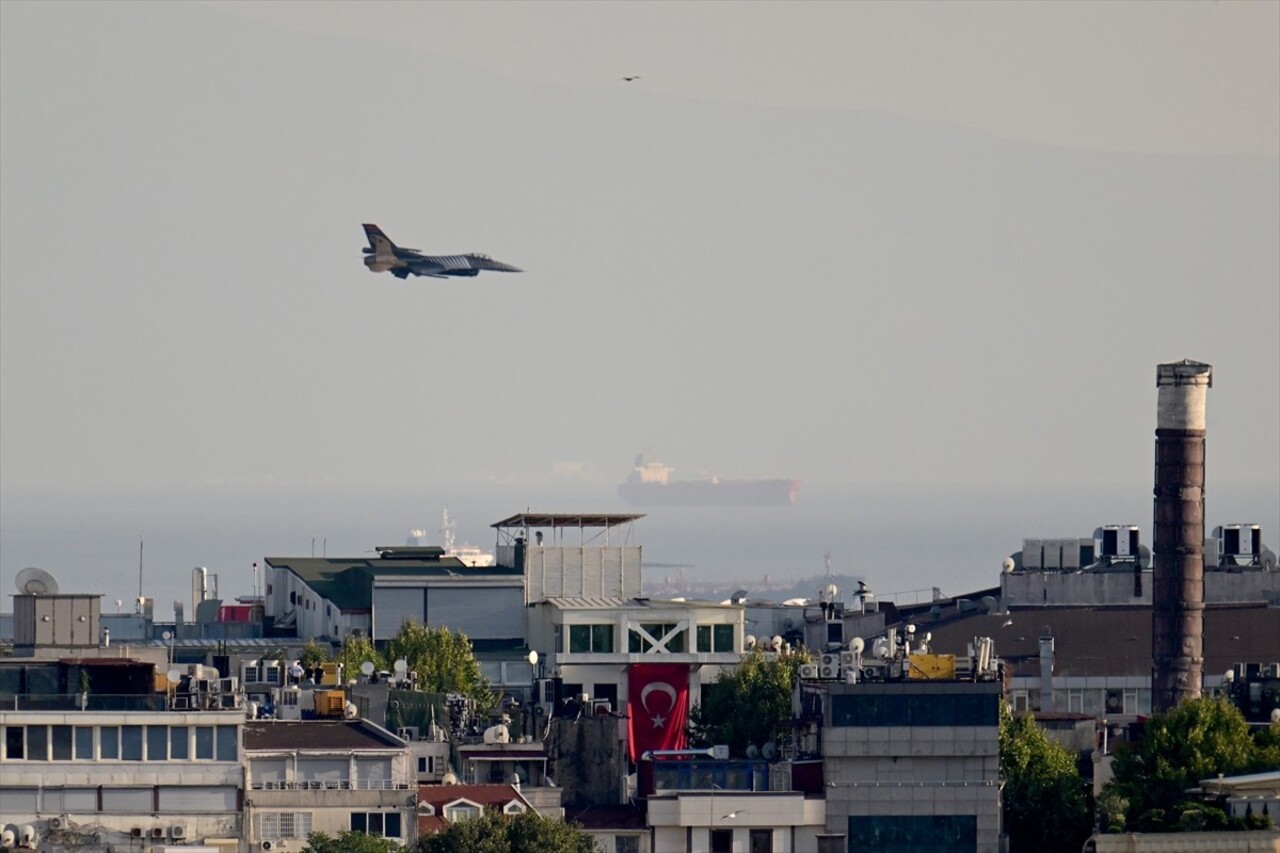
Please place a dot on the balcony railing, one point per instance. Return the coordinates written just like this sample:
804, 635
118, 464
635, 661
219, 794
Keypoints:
82, 702
334, 785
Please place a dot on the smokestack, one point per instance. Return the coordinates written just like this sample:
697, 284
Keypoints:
1177, 584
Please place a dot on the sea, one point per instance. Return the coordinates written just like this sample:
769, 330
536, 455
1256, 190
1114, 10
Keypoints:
907, 542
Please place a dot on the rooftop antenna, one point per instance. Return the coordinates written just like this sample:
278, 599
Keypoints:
827, 558
140, 542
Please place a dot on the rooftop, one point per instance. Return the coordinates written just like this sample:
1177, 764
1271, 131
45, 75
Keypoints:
319, 735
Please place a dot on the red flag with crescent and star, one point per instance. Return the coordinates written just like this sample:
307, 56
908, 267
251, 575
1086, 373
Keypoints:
657, 706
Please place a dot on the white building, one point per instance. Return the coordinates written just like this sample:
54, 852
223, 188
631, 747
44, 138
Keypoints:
122, 776
326, 776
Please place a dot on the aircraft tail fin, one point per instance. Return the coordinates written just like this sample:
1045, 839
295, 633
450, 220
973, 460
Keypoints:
379, 243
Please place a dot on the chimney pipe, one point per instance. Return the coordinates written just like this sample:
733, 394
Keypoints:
1177, 582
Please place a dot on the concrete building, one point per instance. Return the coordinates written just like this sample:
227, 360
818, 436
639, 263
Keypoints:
913, 763
93, 779
325, 776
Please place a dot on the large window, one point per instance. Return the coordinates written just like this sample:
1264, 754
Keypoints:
590, 638
385, 824
901, 834
651, 636
715, 638
760, 841
915, 709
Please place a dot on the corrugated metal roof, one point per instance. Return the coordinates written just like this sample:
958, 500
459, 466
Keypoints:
556, 519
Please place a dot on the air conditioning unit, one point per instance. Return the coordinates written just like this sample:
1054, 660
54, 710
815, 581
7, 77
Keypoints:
177, 831
830, 659
848, 659
407, 732
850, 675
137, 832
228, 685
58, 823
601, 706
157, 832
230, 701
181, 703
808, 670
829, 671
270, 845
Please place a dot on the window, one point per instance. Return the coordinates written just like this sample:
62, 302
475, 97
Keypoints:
131, 743
62, 743
715, 638
722, 841
626, 844
179, 746
939, 833
761, 841
37, 743
660, 637
1021, 701
109, 742
84, 743
204, 743
227, 746
590, 638
1075, 701
14, 743
274, 825
908, 709
385, 824
454, 814
157, 743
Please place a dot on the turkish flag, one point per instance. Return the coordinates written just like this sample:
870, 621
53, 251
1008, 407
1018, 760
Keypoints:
657, 706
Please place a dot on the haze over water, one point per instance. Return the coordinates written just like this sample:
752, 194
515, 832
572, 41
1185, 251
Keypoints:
901, 540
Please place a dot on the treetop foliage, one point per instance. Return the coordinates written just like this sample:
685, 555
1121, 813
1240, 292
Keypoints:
746, 705
494, 832
1197, 740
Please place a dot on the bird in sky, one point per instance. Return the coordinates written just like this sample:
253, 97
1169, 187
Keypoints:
629, 79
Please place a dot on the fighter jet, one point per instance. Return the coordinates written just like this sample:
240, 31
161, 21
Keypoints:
382, 255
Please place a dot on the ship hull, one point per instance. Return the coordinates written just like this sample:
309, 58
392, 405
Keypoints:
712, 493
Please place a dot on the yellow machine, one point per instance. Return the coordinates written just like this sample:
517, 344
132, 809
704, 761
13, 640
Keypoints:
931, 666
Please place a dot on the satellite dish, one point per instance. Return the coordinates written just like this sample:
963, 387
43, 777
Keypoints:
832, 591
401, 666
350, 711
857, 644
753, 751
1275, 716
749, 641
769, 752
911, 629
1007, 565
173, 674
533, 658
367, 667
776, 642
449, 778
35, 581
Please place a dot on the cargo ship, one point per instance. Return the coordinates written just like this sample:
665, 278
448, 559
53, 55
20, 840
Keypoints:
650, 484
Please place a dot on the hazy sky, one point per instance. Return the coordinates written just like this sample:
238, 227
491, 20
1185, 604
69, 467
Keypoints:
862, 242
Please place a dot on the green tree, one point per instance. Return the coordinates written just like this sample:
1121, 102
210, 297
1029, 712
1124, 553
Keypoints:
1045, 807
1197, 740
313, 654
493, 832
354, 652
349, 842
443, 661
746, 705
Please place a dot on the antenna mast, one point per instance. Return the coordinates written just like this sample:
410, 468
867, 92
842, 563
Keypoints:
140, 542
